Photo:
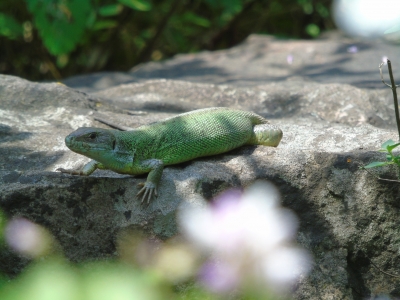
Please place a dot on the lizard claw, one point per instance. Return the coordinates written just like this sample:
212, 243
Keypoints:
147, 191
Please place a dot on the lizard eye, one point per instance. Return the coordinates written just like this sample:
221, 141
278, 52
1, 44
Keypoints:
92, 136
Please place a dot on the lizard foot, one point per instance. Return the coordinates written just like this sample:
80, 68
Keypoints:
147, 191
72, 172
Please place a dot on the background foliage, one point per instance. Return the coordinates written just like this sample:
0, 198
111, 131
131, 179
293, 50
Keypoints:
52, 39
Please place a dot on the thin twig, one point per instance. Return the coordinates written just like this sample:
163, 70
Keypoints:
384, 272
378, 177
380, 71
391, 180
396, 103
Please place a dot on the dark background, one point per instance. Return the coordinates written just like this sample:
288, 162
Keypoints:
54, 39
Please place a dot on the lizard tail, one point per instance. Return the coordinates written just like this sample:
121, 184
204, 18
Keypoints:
265, 134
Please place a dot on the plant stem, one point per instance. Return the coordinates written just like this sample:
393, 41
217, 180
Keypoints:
396, 103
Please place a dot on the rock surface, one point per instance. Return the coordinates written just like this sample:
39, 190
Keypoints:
349, 220
260, 59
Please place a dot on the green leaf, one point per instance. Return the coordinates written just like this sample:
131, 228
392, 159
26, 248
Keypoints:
61, 23
9, 27
322, 10
105, 24
141, 5
313, 30
390, 148
91, 19
195, 19
3, 222
389, 145
110, 10
377, 164
62, 60
232, 6
393, 29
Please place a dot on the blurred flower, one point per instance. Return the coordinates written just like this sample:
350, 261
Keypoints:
352, 49
384, 60
219, 276
173, 260
363, 18
248, 236
27, 238
289, 59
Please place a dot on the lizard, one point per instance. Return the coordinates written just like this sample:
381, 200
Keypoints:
148, 148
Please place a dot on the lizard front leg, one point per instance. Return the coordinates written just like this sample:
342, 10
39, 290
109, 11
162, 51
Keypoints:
149, 188
86, 170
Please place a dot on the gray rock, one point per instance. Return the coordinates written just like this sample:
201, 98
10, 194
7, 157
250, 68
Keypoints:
260, 59
348, 219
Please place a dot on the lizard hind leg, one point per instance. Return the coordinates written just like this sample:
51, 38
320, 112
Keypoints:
265, 134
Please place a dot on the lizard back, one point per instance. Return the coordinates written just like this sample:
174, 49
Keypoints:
190, 135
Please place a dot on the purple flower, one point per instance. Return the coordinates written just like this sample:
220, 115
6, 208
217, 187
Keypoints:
218, 277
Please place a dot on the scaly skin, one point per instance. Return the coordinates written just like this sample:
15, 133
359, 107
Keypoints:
147, 149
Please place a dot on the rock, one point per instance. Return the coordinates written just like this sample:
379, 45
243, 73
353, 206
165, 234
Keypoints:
348, 218
260, 59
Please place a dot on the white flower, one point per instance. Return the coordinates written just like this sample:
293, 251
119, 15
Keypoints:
248, 235
363, 18
27, 237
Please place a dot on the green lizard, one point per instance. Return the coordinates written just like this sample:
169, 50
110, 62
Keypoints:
148, 148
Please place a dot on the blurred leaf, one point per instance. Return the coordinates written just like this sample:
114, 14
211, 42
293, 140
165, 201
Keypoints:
3, 221
195, 19
226, 5
390, 148
104, 24
313, 30
308, 8
55, 280
141, 5
392, 29
322, 10
118, 282
62, 60
60, 23
110, 10
44, 281
389, 145
378, 164
91, 19
9, 27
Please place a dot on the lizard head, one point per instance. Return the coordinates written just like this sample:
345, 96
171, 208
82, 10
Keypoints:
91, 142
